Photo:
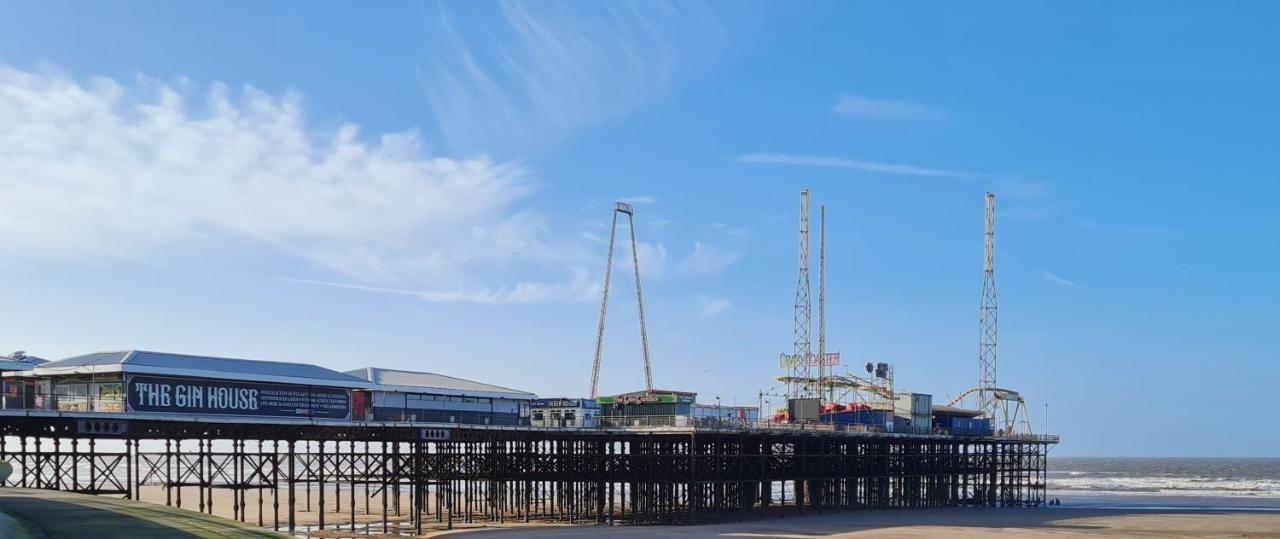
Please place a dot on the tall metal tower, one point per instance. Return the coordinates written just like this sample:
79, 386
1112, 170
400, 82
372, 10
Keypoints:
822, 300
623, 208
987, 315
803, 322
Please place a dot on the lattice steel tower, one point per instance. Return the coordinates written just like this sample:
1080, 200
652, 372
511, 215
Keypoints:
822, 301
987, 315
623, 208
803, 322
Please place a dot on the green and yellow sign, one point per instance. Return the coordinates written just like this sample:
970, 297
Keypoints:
646, 398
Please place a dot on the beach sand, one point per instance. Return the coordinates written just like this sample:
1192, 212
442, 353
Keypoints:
955, 522
223, 506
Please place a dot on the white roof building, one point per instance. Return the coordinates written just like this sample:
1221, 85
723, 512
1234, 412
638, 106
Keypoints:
439, 384
19, 361
164, 364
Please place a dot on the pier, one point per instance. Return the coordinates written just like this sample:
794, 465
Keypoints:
402, 478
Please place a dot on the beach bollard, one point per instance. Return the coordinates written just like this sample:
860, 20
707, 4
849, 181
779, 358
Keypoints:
6, 470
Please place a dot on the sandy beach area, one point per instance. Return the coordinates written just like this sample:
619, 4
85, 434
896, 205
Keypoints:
305, 515
957, 522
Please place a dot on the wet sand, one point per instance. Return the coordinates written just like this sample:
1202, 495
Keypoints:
958, 522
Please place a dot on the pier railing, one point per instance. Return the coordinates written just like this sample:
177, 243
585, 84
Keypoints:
680, 421
1047, 438
116, 404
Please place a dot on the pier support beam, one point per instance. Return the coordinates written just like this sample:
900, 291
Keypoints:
644, 477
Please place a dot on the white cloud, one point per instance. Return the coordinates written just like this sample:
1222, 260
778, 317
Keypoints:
706, 261
1060, 281
853, 164
93, 171
582, 286
640, 199
886, 109
529, 74
593, 237
709, 306
655, 263
731, 230
653, 257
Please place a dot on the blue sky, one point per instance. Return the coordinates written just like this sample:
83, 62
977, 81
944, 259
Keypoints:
428, 186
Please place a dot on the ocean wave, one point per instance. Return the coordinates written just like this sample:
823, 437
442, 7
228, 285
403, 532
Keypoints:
1166, 485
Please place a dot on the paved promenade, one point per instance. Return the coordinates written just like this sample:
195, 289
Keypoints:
41, 514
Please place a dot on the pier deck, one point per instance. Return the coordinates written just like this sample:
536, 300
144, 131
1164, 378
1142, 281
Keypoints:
400, 477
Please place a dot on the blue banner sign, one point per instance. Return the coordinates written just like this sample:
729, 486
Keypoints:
221, 397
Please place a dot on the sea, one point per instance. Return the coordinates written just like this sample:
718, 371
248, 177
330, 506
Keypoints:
1166, 483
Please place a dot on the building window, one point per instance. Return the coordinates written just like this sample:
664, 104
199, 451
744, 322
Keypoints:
108, 398
72, 397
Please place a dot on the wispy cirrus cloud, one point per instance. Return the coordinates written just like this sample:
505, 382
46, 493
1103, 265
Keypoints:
1033, 200
706, 261
884, 109
710, 306
99, 171
700, 262
1059, 280
523, 75
731, 230
1030, 200
657, 259
852, 164
581, 287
